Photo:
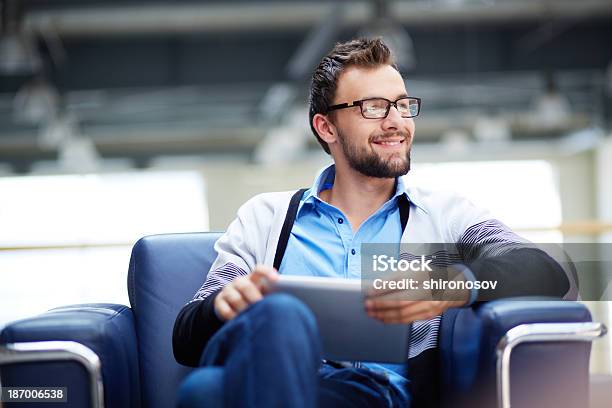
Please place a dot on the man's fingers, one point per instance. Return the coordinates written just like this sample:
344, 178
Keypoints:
381, 305
263, 275
406, 313
248, 290
235, 299
263, 271
224, 309
410, 318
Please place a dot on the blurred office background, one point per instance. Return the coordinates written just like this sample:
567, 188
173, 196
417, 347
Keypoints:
125, 118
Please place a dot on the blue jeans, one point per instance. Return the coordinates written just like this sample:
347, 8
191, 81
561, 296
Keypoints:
270, 356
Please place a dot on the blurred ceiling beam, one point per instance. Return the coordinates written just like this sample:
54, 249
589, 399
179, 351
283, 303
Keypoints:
182, 18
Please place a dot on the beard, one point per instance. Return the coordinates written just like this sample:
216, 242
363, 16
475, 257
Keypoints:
369, 163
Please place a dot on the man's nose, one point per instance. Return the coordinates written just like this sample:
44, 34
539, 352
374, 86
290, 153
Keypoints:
393, 121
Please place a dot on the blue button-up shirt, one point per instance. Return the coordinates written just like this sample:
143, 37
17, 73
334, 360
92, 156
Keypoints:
322, 243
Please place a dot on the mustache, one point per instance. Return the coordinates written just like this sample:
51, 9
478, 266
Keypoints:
390, 135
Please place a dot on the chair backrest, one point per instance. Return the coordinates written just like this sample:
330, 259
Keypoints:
165, 272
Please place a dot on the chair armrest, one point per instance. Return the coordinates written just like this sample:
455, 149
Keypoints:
544, 371
107, 333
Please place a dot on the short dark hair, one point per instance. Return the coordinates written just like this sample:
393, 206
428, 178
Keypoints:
362, 52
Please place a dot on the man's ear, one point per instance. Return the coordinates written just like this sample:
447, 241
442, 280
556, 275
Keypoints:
325, 128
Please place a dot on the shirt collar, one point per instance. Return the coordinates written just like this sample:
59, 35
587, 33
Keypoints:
325, 179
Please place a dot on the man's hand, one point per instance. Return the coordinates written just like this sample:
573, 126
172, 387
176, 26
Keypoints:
407, 311
408, 305
243, 291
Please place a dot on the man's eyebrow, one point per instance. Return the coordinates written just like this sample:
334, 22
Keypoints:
402, 95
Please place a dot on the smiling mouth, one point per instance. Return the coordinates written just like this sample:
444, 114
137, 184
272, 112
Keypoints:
389, 143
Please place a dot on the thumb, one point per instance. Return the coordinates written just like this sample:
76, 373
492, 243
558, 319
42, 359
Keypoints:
263, 275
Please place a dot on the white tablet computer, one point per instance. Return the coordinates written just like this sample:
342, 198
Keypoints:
347, 332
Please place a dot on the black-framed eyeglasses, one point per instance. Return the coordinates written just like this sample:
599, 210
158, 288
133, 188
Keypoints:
378, 108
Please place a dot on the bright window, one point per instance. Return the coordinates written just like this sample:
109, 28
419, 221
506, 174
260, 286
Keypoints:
522, 194
53, 216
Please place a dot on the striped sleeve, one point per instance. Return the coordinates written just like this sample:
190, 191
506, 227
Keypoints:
217, 279
489, 238
493, 252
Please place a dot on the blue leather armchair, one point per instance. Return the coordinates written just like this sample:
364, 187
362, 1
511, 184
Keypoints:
534, 352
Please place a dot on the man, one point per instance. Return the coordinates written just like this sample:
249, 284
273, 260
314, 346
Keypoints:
268, 345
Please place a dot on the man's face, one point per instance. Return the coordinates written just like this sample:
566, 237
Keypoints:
373, 147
